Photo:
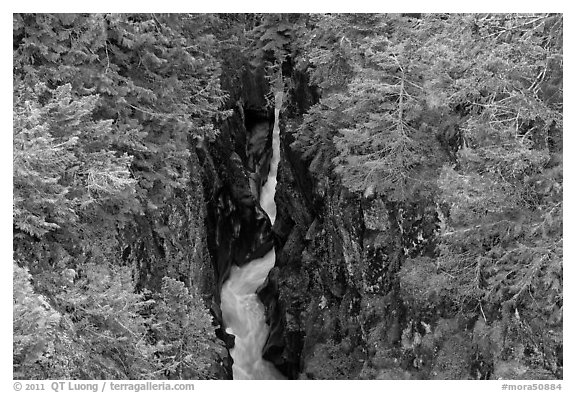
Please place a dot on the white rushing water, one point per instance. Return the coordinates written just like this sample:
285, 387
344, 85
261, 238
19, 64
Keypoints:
242, 311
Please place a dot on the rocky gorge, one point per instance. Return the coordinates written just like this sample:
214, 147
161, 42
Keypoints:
415, 231
334, 300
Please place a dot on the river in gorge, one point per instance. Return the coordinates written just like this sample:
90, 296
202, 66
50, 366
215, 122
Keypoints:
242, 312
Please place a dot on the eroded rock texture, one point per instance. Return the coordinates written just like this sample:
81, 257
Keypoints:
353, 293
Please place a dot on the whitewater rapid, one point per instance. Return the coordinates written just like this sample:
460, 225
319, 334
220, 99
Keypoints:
242, 312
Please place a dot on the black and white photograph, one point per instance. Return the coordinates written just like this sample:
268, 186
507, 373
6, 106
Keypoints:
286, 196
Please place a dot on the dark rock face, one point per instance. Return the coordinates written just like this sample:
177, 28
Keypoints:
238, 230
356, 292
338, 256
197, 236
235, 166
333, 296
198, 233
334, 300
171, 240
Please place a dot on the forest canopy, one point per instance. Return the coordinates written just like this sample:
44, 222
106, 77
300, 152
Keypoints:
460, 111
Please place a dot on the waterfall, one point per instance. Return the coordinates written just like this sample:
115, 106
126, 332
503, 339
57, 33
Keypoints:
242, 312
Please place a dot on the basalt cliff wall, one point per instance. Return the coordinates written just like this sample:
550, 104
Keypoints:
334, 300
348, 297
197, 234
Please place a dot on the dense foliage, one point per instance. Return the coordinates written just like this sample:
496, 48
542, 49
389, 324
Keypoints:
105, 107
466, 111
97, 319
458, 116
